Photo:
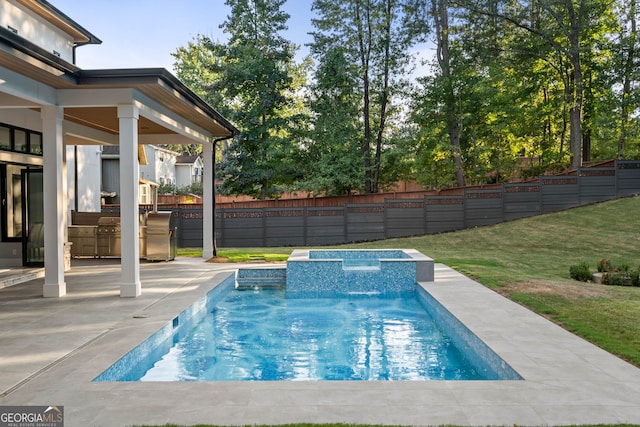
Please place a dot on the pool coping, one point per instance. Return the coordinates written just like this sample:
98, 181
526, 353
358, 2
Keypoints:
566, 379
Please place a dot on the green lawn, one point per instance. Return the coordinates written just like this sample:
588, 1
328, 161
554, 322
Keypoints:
528, 261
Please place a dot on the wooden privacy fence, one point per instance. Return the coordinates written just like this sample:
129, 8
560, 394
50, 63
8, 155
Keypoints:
315, 226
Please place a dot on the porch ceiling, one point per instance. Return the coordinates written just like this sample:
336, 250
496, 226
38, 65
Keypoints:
106, 119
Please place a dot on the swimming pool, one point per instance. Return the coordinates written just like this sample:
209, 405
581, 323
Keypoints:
244, 335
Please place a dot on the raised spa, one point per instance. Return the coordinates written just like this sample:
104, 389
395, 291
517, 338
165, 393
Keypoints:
347, 272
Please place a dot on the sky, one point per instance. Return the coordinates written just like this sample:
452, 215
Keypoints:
144, 33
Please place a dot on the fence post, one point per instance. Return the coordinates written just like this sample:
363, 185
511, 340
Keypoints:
264, 227
220, 226
305, 232
385, 219
345, 221
177, 212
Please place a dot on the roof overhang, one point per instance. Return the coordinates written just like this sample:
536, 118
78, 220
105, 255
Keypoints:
53, 15
156, 87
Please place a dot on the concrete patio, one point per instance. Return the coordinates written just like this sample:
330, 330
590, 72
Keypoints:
52, 348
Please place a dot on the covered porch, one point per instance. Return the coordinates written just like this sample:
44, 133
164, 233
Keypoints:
70, 106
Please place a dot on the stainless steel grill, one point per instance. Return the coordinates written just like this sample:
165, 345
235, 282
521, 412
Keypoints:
108, 237
83, 239
161, 236
103, 238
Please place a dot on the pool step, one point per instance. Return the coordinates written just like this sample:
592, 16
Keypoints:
259, 278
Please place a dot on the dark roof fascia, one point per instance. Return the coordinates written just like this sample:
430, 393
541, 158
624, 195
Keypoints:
23, 45
186, 160
151, 75
52, 9
110, 150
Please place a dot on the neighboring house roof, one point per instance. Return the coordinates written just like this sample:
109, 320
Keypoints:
113, 152
186, 160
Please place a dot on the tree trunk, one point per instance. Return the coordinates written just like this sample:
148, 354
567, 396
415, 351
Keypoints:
626, 79
441, 18
264, 183
384, 98
575, 112
364, 42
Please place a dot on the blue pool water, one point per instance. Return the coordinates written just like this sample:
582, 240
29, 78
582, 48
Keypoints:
246, 335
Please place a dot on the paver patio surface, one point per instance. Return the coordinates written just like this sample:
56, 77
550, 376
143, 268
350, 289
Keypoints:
51, 349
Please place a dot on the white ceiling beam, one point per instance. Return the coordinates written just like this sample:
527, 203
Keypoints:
31, 92
168, 119
70, 98
23, 117
164, 139
77, 134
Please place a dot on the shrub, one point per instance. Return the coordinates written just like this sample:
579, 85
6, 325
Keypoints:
604, 265
580, 272
619, 274
617, 278
635, 278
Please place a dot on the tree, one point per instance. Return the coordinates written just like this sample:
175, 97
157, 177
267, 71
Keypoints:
572, 29
440, 14
255, 72
627, 66
193, 65
374, 36
332, 160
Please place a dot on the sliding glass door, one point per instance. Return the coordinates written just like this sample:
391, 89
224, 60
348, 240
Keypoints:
32, 201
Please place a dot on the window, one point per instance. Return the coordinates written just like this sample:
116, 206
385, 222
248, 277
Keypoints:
11, 202
20, 140
145, 198
5, 138
35, 143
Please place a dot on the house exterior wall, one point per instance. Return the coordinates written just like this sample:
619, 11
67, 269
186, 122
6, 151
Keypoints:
186, 174
161, 165
183, 175
148, 171
165, 162
36, 30
110, 177
82, 163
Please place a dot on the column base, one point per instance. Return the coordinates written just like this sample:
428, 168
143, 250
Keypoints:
130, 290
207, 254
54, 290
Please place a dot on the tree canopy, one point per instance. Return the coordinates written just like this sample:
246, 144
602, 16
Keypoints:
513, 89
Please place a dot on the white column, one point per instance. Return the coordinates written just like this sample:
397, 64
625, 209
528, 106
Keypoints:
208, 181
129, 218
54, 201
